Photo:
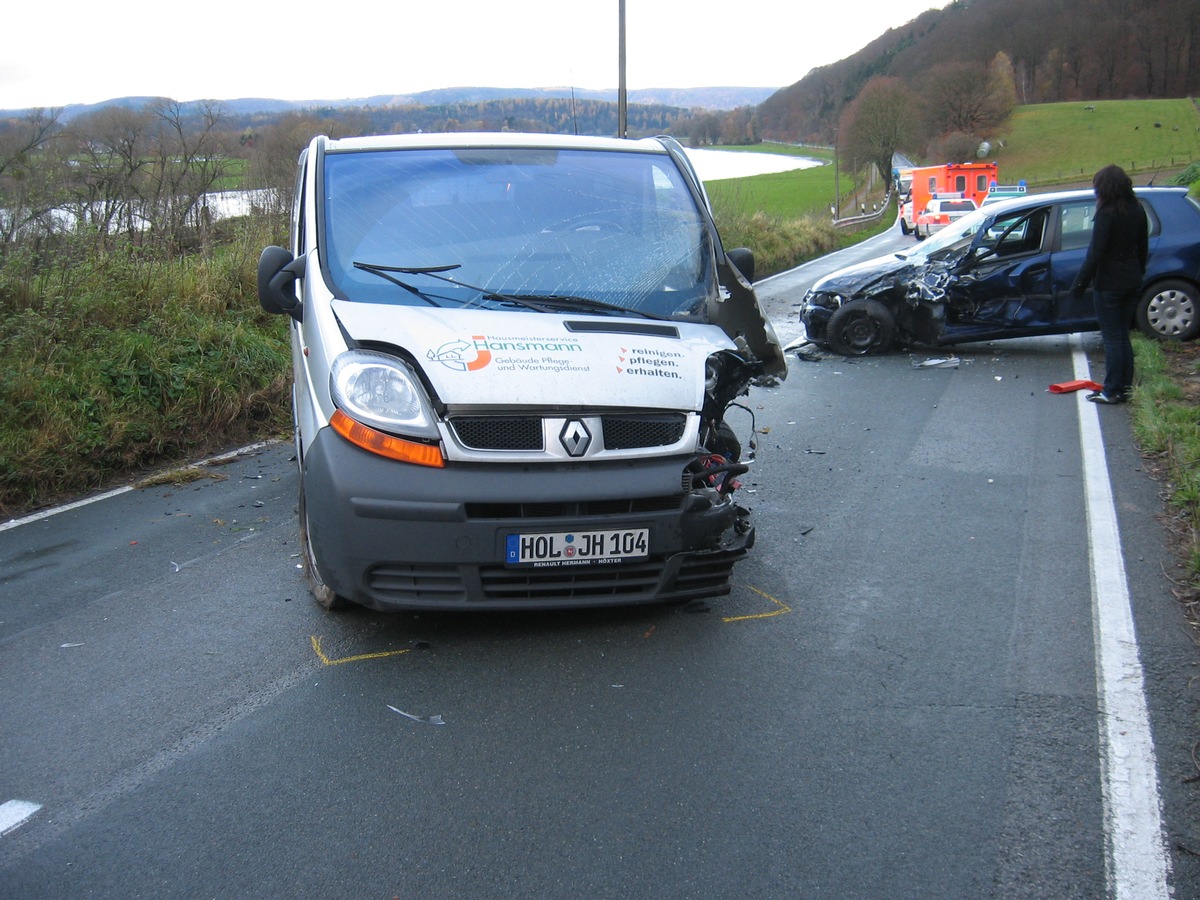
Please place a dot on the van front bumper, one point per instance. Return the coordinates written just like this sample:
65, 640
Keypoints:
389, 535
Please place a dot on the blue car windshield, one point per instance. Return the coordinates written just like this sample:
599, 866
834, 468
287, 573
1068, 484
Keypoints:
471, 227
958, 234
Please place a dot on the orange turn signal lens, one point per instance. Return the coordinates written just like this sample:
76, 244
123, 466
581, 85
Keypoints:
385, 444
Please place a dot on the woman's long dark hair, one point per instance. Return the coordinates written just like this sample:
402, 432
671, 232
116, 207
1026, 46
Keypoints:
1113, 189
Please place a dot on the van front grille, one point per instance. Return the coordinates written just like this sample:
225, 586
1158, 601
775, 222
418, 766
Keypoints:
629, 432
612, 506
526, 433
499, 432
656, 580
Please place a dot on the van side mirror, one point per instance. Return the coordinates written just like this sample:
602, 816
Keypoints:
277, 274
743, 259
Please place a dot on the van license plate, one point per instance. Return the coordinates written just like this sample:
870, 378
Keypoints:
574, 548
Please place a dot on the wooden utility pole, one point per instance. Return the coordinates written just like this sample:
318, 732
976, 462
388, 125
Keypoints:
622, 109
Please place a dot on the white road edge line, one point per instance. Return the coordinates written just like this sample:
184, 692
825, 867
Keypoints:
14, 813
1137, 862
54, 511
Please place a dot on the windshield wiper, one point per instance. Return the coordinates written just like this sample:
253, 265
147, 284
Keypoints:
546, 303
384, 272
552, 302
436, 272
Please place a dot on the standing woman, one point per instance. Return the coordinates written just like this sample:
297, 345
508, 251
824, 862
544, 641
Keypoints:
1116, 259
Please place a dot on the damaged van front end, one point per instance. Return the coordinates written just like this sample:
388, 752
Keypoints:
513, 357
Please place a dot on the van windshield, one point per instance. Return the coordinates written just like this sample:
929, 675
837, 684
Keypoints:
620, 228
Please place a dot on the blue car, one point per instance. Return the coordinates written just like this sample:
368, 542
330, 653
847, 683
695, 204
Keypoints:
1006, 271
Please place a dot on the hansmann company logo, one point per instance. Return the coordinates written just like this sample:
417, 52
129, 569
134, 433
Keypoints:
477, 353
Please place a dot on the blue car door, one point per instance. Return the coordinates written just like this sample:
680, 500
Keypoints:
1004, 288
1074, 233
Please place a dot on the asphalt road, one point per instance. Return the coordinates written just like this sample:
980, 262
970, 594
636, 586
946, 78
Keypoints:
900, 698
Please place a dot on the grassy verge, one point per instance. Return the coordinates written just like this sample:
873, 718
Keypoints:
1166, 427
118, 362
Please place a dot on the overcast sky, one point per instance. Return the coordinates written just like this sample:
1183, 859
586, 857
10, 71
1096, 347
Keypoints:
83, 51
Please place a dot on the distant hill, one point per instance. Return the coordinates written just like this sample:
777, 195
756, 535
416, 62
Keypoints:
1060, 50
703, 98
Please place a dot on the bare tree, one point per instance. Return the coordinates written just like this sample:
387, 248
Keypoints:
27, 195
188, 161
106, 184
739, 127
274, 153
880, 121
964, 97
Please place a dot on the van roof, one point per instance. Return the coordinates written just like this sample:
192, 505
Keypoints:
480, 140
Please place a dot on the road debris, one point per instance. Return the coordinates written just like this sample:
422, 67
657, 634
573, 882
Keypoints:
1067, 387
426, 720
937, 362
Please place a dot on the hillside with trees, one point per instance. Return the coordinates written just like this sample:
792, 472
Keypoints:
940, 84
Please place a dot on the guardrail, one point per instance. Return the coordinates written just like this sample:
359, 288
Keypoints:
866, 217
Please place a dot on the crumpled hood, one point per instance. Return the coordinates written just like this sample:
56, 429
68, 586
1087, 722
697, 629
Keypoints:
858, 278
544, 359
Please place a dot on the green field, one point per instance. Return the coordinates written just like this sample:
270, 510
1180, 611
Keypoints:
802, 192
1065, 143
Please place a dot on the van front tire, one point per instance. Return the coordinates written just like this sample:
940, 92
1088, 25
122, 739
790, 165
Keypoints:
322, 593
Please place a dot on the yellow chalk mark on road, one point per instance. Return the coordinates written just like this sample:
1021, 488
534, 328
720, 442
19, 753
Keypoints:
316, 643
781, 608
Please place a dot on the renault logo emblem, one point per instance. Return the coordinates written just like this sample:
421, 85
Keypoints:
575, 438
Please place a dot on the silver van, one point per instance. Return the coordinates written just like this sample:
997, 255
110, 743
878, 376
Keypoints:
513, 357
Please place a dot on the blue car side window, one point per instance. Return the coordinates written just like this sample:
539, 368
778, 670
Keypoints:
1076, 231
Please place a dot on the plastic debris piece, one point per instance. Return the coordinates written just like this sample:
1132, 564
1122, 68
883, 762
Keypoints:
806, 353
1066, 387
426, 720
938, 362
69, 646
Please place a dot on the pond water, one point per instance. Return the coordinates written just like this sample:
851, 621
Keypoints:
713, 165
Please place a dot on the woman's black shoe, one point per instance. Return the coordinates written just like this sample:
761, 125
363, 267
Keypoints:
1101, 397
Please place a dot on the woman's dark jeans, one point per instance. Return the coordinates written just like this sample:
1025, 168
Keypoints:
1114, 310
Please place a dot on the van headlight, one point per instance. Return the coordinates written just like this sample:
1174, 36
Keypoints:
382, 392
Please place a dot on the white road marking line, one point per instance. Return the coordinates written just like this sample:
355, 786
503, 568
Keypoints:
1138, 865
54, 511
47, 513
14, 813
